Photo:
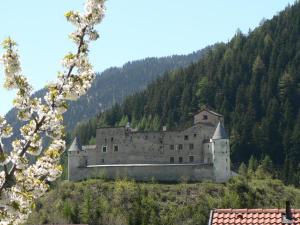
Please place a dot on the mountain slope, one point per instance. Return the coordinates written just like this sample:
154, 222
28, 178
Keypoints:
112, 85
253, 80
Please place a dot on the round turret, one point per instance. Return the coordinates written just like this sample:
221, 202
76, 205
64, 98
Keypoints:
75, 146
221, 154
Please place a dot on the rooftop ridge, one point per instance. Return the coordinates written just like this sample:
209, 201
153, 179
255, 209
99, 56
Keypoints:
209, 110
260, 210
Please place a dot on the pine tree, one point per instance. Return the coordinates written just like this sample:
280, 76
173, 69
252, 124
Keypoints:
252, 165
87, 208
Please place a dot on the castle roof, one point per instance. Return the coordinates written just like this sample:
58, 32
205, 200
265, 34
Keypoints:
75, 146
210, 111
220, 133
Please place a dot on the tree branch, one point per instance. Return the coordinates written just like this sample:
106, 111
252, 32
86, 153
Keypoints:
9, 181
77, 55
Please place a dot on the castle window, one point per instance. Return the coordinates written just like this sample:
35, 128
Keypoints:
102, 160
116, 148
171, 147
180, 159
191, 158
204, 117
195, 135
186, 137
191, 146
171, 159
112, 139
104, 148
180, 147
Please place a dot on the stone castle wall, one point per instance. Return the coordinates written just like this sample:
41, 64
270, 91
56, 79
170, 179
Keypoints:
116, 145
157, 172
164, 155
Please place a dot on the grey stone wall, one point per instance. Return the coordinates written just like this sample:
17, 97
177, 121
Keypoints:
157, 172
128, 147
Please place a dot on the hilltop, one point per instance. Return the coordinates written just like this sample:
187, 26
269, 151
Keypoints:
127, 202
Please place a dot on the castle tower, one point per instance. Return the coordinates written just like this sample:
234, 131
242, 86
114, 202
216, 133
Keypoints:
76, 158
221, 154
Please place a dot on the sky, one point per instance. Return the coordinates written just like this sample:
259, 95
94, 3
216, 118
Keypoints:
131, 30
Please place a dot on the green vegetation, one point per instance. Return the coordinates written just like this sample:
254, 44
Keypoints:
253, 80
127, 202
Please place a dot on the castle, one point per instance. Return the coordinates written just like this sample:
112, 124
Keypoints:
200, 152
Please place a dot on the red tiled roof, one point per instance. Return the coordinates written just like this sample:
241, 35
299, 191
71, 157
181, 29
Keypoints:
252, 217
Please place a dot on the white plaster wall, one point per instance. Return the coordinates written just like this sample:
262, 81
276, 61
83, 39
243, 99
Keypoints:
221, 160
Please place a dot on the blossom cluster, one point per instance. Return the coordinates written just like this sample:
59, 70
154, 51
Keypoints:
21, 182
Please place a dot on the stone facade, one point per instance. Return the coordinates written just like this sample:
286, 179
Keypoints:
200, 152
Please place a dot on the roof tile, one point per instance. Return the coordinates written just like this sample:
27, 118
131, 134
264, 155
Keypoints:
252, 216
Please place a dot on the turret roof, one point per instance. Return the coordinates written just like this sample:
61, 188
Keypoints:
220, 132
75, 146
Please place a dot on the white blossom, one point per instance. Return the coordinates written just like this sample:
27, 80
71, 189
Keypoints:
43, 118
5, 129
4, 159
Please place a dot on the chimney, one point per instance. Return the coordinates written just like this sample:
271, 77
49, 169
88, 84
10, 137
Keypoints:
288, 211
287, 217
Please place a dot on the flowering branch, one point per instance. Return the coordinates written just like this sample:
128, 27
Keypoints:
21, 182
2, 155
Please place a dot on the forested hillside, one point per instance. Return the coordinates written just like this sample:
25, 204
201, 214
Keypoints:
113, 85
253, 80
